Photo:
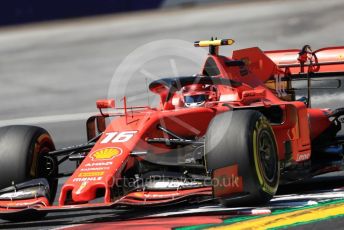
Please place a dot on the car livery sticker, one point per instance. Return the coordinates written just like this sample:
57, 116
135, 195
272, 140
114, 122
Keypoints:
82, 179
90, 174
97, 164
82, 186
106, 154
94, 169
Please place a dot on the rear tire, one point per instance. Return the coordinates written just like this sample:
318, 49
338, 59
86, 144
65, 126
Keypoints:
22, 150
245, 140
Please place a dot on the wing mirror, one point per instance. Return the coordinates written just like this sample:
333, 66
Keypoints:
105, 104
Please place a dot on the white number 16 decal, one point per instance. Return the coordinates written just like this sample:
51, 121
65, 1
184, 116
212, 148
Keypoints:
115, 137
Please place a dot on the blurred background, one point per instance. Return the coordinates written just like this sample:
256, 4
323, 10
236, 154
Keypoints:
58, 57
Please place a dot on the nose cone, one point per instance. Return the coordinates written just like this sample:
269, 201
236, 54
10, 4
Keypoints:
83, 193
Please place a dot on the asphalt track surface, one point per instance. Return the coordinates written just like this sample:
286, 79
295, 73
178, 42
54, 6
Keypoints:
52, 73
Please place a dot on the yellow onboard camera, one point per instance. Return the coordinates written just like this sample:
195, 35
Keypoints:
213, 44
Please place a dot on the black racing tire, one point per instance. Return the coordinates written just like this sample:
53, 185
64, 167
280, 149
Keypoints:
244, 138
22, 150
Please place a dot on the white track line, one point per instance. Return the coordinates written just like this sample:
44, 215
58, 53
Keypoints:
47, 119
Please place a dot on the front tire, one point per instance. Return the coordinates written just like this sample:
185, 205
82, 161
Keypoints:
23, 156
243, 143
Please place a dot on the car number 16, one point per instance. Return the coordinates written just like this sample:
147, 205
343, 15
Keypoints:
116, 137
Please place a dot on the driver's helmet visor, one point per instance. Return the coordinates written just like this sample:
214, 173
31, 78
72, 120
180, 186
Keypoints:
195, 100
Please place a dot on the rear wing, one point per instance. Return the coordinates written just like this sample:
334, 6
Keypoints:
321, 63
307, 64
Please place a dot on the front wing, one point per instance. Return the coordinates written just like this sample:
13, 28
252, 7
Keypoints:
40, 205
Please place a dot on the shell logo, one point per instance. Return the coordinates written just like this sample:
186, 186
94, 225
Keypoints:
106, 154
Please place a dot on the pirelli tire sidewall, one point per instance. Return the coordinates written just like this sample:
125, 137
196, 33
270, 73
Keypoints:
232, 139
267, 186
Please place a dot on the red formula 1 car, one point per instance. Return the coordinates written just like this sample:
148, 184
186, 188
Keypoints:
234, 133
